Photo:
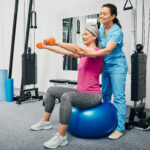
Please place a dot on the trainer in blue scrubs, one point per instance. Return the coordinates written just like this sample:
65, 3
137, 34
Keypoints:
114, 75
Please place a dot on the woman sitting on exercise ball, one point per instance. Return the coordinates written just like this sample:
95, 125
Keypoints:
88, 93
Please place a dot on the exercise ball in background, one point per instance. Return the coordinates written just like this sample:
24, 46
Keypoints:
9, 90
3, 77
93, 122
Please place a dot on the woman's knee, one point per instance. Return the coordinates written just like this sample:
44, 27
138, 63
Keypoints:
51, 89
65, 104
50, 92
65, 109
49, 99
66, 97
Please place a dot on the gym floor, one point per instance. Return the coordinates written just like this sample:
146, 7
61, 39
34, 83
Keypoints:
15, 133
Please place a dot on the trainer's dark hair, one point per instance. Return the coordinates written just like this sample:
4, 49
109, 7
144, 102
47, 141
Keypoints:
113, 11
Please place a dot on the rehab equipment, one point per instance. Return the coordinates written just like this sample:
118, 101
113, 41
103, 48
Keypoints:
93, 122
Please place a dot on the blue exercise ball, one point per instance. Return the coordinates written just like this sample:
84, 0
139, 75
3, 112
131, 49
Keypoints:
93, 122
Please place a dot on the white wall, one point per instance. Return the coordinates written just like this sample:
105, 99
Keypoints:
49, 19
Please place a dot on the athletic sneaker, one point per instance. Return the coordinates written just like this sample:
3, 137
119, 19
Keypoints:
41, 125
56, 141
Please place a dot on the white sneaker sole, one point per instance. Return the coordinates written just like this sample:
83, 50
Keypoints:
62, 144
42, 128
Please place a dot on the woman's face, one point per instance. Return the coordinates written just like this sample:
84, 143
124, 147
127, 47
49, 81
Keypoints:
105, 15
88, 38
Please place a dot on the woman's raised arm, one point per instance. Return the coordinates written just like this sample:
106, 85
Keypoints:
60, 50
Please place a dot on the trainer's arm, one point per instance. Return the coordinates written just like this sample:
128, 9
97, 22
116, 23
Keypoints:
105, 51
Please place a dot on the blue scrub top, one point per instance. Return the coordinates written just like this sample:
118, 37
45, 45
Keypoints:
115, 62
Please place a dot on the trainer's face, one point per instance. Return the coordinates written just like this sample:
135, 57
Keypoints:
88, 38
105, 15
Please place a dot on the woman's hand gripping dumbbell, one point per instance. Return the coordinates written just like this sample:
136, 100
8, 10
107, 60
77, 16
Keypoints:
50, 41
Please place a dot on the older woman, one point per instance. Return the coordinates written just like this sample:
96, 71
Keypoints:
88, 93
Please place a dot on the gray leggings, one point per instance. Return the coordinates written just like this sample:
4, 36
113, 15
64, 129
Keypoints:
69, 97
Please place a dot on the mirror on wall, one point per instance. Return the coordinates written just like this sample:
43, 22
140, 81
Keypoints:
72, 33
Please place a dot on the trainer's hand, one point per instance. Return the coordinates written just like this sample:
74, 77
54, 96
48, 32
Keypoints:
86, 52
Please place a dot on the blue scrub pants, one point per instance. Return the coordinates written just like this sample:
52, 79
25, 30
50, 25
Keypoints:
114, 83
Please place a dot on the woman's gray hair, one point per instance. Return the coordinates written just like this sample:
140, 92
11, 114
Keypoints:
94, 30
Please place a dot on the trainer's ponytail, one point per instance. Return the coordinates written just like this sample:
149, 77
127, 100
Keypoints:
117, 21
